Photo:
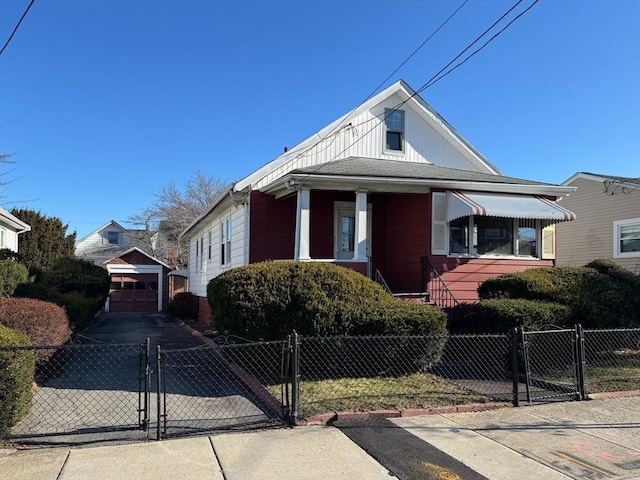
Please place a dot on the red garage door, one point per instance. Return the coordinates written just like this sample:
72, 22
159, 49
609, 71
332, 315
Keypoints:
134, 293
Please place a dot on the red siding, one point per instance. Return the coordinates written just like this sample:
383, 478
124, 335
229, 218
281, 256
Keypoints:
272, 227
406, 239
463, 275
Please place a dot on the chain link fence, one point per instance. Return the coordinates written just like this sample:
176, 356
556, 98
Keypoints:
612, 360
98, 391
219, 387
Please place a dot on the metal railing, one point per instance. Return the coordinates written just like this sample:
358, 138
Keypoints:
440, 294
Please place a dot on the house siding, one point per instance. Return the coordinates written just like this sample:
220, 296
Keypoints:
590, 236
365, 138
272, 227
98, 239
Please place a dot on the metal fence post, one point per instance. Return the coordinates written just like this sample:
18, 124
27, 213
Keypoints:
525, 361
143, 397
159, 392
514, 367
295, 377
580, 361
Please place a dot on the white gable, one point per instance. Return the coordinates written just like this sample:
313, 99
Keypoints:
429, 139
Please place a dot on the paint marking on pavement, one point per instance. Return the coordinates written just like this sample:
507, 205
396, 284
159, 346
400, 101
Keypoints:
442, 472
585, 464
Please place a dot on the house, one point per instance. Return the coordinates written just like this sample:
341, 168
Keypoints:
390, 190
10, 227
608, 223
139, 281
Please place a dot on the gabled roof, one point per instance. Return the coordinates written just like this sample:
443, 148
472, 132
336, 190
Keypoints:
14, 222
374, 174
100, 229
629, 182
399, 88
136, 249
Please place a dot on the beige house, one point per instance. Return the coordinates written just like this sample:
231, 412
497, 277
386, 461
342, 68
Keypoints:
607, 224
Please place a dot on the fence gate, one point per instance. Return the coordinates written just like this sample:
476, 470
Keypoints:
553, 363
85, 393
219, 387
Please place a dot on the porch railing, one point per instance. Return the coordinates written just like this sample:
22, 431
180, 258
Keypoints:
374, 274
440, 294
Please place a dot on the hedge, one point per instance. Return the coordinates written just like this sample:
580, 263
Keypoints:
184, 305
269, 300
499, 315
44, 323
16, 378
12, 274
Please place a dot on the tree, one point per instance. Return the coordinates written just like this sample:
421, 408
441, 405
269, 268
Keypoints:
46, 242
172, 211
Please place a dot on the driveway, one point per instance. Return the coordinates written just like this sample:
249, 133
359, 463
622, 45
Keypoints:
91, 392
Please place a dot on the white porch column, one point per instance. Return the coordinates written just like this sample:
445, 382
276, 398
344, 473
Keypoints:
303, 216
360, 241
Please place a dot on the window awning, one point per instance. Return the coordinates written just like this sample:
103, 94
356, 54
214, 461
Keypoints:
463, 204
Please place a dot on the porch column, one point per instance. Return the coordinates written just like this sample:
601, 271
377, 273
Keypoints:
303, 215
360, 241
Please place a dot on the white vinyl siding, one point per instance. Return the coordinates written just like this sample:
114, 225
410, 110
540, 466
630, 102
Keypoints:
365, 138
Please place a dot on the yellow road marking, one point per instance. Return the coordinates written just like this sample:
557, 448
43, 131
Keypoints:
442, 473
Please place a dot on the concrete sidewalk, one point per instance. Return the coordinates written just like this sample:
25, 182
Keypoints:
598, 439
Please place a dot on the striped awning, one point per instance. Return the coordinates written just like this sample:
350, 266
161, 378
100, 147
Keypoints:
464, 204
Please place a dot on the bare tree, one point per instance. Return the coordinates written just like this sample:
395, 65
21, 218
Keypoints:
172, 211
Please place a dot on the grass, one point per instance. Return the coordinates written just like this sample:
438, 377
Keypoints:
365, 394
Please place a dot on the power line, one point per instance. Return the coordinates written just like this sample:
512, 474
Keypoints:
16, 28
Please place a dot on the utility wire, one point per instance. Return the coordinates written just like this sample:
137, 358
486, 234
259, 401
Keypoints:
16, 28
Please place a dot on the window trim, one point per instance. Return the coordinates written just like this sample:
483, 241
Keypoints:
226, 235
388, 112
616, 238
3, 237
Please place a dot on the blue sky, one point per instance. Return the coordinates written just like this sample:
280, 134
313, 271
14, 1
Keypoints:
102, 102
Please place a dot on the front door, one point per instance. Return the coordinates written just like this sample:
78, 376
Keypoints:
345, 230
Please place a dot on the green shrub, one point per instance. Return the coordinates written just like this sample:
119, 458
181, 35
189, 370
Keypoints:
45, 323
80, 308
184, 305
499, 315
75, 275
12, 274
16, 378
271, 299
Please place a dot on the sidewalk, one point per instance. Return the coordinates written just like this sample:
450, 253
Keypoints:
598, 439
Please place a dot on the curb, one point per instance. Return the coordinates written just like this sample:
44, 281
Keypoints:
331, 417
606, 395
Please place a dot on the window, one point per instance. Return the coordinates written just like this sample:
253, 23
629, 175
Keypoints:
394, 123
3, 238
480, 235
197, 253
209, 245
141, 285
116, 286
225, 241
112, 238
626, 237
201, 248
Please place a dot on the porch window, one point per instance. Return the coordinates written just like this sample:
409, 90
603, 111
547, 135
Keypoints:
626, 237
394, 123
479, 235
225, 241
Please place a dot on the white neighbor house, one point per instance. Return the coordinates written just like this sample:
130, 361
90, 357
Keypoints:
10, 228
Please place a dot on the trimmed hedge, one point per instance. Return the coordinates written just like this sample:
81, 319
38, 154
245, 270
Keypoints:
184, 305
269, 300
498, 315
16, 378
599, 295
12, 274
44, 323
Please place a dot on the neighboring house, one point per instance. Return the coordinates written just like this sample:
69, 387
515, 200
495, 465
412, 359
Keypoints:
390, 190
139, 281
10, 227
608, 223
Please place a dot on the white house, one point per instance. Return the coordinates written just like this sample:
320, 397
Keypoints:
10, 228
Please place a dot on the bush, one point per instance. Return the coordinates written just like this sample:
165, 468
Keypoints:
500, 315
16, 378
80, 308
271, 299
184, 305
599, 295
44, 323
12, 274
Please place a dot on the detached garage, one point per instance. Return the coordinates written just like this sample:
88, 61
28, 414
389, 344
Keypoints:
138, 283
